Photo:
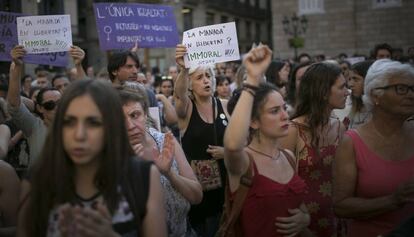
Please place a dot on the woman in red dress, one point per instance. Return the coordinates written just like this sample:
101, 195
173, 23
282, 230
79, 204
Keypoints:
314, 136
273, 206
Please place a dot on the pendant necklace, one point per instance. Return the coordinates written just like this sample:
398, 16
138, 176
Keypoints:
277, 157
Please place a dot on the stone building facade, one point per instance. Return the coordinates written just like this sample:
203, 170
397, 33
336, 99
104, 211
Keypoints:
346, 26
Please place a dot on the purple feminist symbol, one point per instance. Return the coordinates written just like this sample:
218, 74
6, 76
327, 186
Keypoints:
107, 30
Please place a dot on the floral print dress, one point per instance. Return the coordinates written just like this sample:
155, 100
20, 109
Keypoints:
176, 205
316, 170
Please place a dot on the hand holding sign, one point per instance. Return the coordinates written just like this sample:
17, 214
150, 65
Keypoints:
17, 54
180, 51
135, 48
77, 54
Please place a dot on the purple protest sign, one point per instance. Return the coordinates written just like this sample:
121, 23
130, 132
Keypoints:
8, 39
120, 25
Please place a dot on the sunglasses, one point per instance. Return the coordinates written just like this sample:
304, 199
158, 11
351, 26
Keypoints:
50, 105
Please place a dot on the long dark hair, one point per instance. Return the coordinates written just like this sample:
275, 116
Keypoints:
52, 179
291, 96
272, 73
313, 96
360, 68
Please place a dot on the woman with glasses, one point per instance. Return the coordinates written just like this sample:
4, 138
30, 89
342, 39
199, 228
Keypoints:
374, 164
33, 128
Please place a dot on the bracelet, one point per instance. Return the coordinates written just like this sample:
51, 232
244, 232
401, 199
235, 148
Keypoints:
250, 91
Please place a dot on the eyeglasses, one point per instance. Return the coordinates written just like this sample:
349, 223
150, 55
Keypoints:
400, 89
50, 105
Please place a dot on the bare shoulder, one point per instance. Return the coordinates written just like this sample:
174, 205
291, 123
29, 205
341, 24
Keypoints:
301, 120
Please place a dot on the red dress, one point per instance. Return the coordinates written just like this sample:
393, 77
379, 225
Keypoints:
267, 200
316, 170
378, 177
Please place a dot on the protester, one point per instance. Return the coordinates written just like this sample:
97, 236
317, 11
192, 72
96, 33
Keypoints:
373, 170
223, 87
294, 85
177, 178
60, 82
202, 120
26, 83
304, 58
230, 72
345, 66
382, 51
173, 73
314, 136
14, 148
167, 87
122, 67
33, 128
276, 192
359, 113
42, 79
278, 74
88, 183
9, 196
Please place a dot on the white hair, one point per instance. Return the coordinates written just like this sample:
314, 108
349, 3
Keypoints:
208, 68
378, 75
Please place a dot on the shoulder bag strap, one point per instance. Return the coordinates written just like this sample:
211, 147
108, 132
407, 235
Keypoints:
213, 101
291, 159
240, 195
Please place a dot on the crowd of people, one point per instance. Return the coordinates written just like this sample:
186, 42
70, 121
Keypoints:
260, 147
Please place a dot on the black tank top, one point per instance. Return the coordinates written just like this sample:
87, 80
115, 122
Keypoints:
195, 141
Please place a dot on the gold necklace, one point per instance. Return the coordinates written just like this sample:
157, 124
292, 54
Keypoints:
264, 154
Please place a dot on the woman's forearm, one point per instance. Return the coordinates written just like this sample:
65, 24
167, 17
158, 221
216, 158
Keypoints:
361, 208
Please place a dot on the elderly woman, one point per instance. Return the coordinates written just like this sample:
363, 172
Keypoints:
373, 170
202, 119
177, 178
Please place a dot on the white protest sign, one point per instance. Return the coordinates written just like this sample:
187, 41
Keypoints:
44, 34
354, 60
211, 44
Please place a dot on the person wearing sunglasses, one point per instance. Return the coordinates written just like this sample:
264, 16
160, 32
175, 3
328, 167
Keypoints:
34, 128
373, 169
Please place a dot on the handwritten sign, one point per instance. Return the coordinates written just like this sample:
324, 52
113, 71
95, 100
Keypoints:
211, 44
44, 34
120, 25
8, 39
